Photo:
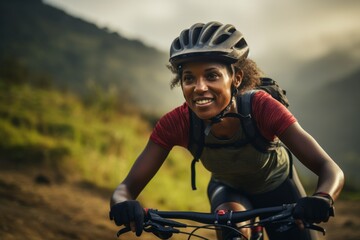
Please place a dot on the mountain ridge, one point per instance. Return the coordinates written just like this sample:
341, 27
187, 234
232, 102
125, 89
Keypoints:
77, 53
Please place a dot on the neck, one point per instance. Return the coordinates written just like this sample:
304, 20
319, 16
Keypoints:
226, 128
228, 125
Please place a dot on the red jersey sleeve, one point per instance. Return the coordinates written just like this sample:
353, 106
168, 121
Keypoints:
271, 116
172, 129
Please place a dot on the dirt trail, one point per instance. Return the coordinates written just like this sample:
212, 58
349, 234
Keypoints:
33, 207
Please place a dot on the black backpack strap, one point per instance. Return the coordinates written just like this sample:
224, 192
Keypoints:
252, 132
244, 103
196, 143
244, 109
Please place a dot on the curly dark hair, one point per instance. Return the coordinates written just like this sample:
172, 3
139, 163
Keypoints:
251, 77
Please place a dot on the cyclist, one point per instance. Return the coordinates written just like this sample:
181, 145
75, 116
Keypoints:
210, 64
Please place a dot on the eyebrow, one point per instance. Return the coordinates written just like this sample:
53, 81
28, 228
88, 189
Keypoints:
210, 69
206, 70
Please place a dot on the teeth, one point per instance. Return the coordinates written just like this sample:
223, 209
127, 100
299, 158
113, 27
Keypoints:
203, 101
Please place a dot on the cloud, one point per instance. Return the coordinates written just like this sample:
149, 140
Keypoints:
159, 21
279, 32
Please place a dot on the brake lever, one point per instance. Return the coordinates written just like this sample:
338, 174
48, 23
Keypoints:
159, 230
163, 228
315, 227
292, 224
156, 228
123, 230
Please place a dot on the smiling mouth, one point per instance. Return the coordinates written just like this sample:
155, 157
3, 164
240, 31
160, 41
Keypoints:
201, 102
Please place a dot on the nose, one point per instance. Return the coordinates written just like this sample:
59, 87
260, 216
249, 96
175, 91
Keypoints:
200, 86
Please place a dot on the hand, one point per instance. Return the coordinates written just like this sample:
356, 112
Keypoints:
314, 209
129, 213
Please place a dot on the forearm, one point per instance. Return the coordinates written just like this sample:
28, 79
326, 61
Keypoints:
331, 180
144, 168
313, 156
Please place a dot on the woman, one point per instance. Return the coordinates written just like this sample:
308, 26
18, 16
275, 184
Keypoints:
211, 66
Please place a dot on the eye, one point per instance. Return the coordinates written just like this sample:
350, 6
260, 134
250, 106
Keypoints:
212, 76
188, 78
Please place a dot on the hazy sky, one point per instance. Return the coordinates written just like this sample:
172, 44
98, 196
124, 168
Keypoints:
274, 29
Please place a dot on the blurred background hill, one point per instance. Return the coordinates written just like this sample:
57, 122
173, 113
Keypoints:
79, 56
330, 113
73, 90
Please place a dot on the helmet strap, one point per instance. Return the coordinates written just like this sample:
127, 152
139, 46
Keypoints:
219, 117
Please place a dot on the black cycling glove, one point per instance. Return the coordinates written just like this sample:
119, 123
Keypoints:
128, 211
314, 209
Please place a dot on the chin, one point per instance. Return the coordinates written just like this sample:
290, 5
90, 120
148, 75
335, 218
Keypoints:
204, 116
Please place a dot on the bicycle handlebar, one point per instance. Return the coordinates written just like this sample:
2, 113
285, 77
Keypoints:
160, 223
223, 217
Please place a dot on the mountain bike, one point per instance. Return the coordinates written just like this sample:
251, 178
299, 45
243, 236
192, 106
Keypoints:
163, 225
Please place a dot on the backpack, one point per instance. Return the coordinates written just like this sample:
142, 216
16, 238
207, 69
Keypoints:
253, 135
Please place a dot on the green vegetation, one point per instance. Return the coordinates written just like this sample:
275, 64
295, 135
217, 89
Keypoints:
57, 132
44, 126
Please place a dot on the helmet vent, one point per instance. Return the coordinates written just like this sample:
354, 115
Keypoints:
241, 44
176, 44
196, 34
208, 33
231, 30
186, 37
222, 38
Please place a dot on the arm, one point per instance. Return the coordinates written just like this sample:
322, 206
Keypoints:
145, 167
311, 154
170, 131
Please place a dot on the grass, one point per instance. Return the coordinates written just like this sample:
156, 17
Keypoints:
54, 130
49, 129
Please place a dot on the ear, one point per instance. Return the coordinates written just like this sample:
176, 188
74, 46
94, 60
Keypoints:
238, 78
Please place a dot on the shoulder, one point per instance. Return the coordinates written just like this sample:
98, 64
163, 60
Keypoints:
271, 116
262, 100
172, 128
181, 110
262, 96
180, 113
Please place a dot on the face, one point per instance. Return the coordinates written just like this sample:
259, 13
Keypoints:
207, 87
